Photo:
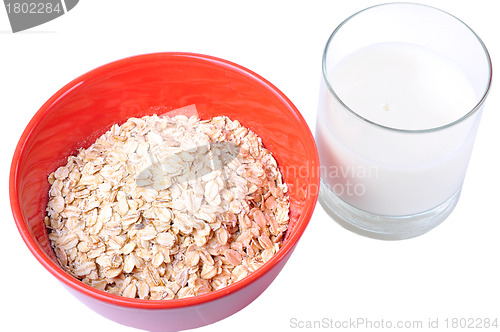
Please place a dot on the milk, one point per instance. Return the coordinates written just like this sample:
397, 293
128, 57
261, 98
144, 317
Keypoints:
405, 87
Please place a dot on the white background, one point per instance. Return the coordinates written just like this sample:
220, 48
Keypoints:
453, 271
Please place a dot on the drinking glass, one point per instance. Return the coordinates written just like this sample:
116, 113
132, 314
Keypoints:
402, 94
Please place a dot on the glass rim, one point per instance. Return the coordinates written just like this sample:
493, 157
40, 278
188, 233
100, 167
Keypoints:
400, 130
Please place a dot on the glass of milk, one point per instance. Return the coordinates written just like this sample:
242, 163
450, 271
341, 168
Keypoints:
400, 104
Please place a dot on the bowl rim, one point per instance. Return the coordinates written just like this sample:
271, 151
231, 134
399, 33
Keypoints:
103, 296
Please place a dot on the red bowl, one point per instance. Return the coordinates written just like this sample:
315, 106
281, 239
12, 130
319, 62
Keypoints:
142, 85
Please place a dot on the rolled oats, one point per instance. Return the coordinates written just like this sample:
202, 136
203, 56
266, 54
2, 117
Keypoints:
161, 208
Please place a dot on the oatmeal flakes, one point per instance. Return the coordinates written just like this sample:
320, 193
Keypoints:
161, 208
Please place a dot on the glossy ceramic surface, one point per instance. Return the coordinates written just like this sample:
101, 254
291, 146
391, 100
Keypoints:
156, 83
